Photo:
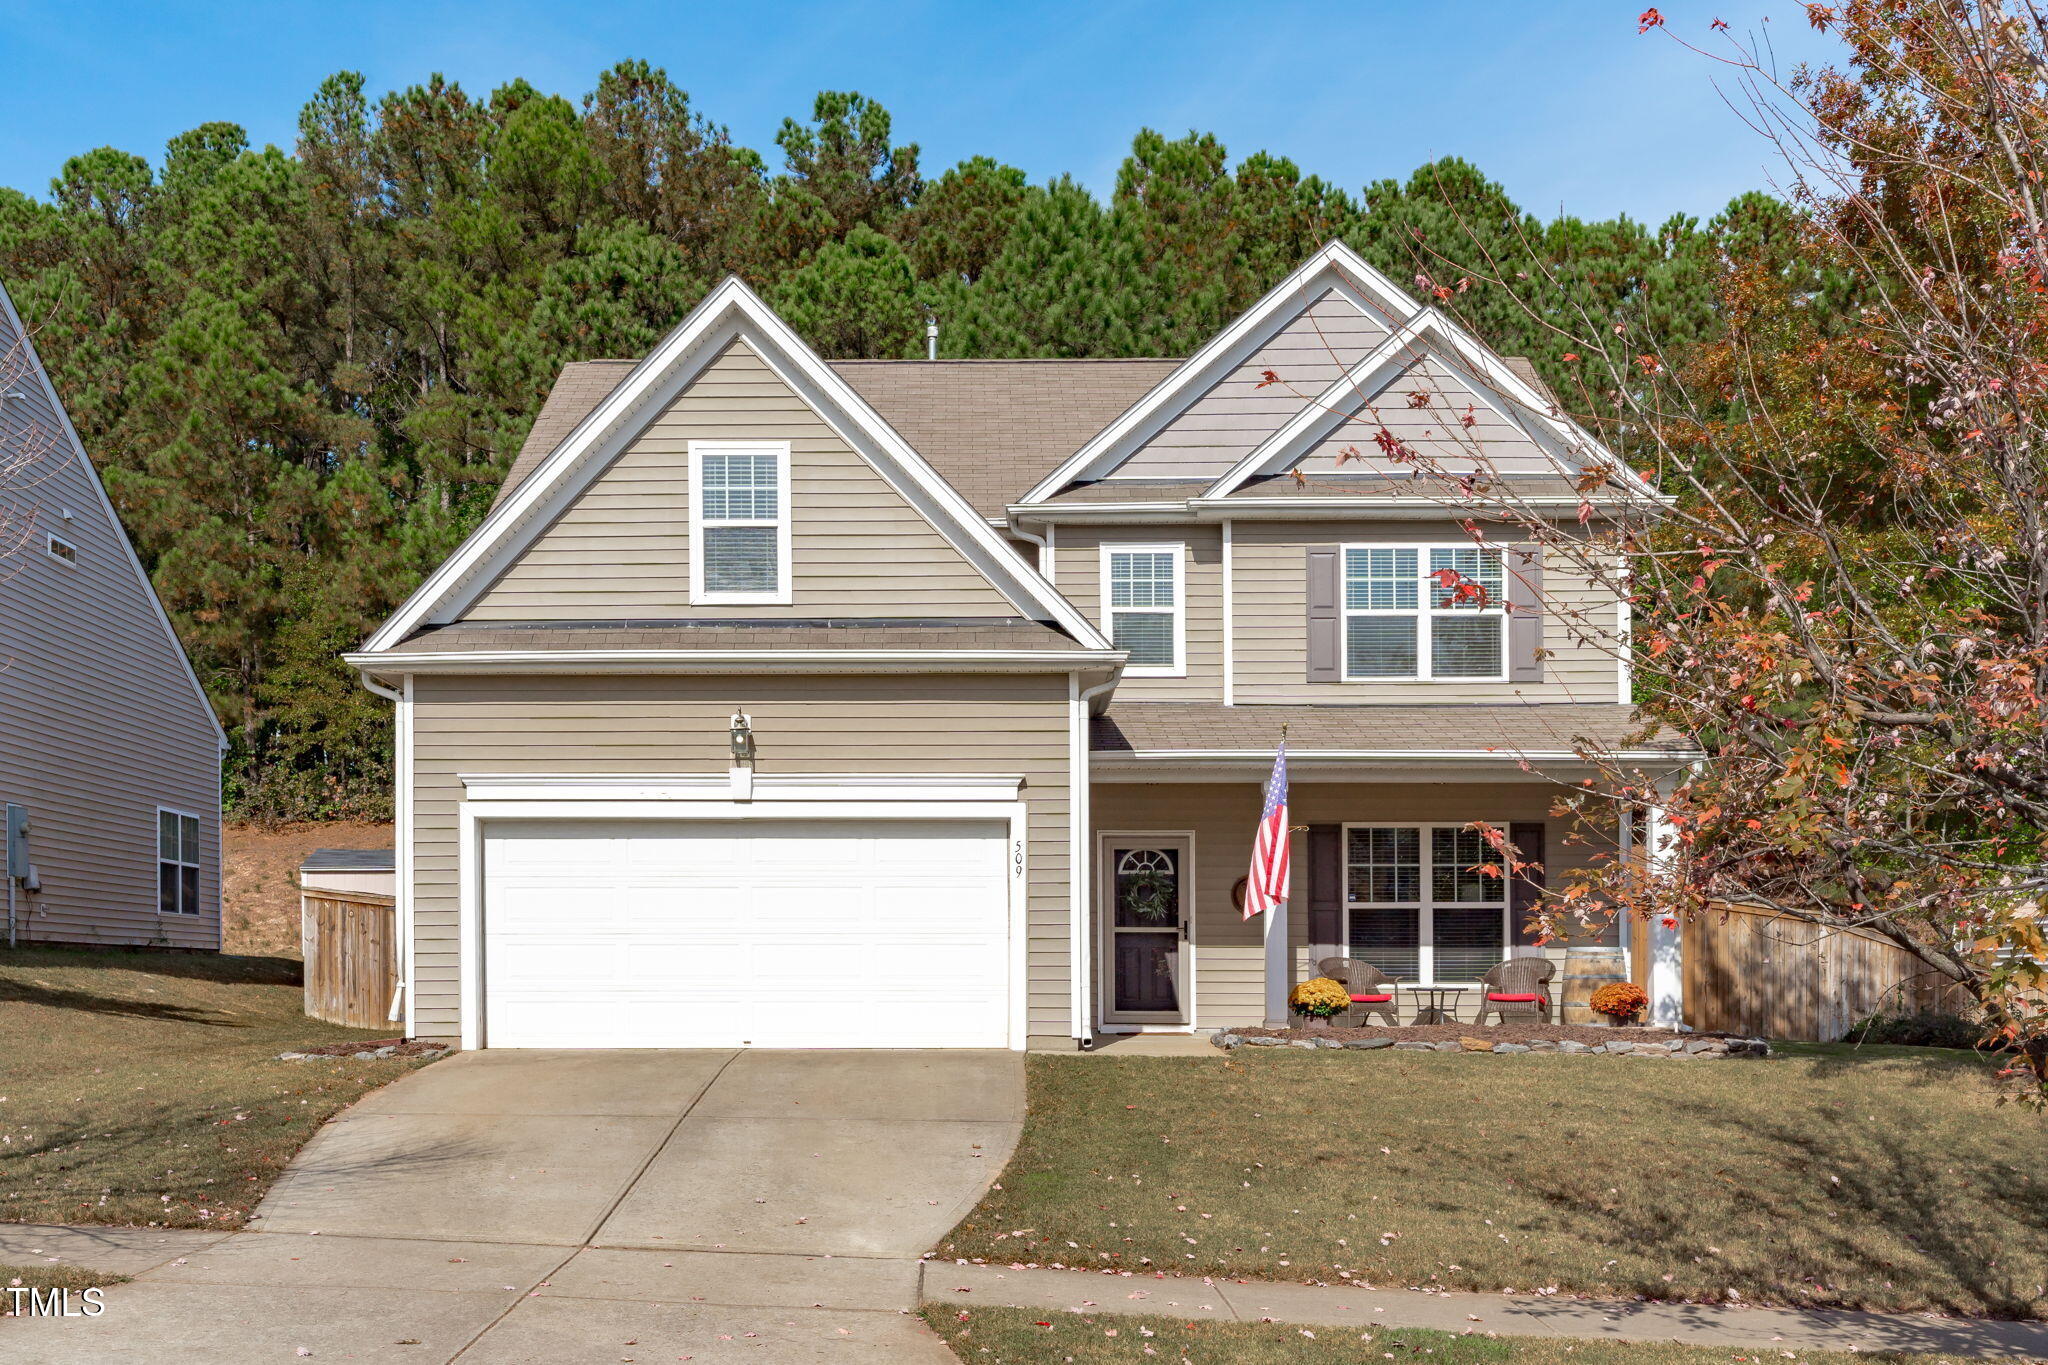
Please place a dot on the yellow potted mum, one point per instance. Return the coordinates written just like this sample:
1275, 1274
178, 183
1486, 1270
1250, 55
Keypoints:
1319, 999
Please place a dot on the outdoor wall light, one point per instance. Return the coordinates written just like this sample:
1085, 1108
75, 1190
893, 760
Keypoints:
742, 740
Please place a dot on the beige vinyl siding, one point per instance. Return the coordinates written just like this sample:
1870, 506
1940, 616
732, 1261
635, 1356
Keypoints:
99, 722
1079, 550
1269, 581
1229, 420
622, 549
1437, 432
677, 725
1229, 956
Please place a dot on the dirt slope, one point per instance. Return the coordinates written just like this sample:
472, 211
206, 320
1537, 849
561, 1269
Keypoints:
260, 901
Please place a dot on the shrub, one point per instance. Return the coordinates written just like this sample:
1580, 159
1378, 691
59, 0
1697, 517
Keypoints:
1925, 1029
1619, 998
1320, 997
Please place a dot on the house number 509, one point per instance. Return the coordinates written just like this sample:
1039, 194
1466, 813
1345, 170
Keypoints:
1017, 858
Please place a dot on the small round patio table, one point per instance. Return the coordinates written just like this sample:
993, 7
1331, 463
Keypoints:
1435, 1004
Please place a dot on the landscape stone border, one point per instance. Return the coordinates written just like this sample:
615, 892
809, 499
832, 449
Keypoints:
1680, 1048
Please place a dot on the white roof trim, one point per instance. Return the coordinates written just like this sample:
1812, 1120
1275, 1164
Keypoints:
731, 311
92, 476
397, 663
1355, 387
1336, 266
1479, 363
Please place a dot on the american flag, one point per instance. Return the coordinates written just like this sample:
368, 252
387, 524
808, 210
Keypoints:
1267, 885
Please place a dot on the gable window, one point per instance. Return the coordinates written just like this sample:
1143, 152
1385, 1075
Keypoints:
739, 522
62, 550
177, 863
1426, 904
1405, 616
1143, 607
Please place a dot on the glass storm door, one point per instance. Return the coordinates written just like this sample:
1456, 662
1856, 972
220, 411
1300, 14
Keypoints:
1146, 914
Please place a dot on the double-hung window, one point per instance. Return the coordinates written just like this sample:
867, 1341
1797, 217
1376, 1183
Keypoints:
1425, 903
1144, 607
1424, 612
177, 863
739, 522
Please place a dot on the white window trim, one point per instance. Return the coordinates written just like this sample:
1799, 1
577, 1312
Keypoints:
1422, 613
699, 596
1426, 907
156, 834
68, 556
1179, 551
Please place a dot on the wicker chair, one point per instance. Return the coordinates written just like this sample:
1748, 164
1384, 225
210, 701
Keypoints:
1370, 989
1517, 989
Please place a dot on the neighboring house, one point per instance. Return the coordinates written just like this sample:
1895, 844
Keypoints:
109, 750
781, 703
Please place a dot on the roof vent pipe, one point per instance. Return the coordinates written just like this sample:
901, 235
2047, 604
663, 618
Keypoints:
931, 336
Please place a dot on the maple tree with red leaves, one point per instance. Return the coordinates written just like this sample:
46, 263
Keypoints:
1832, 526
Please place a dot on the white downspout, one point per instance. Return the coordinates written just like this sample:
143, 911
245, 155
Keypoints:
1080, 862
401, 993
1229, 623
1043, 543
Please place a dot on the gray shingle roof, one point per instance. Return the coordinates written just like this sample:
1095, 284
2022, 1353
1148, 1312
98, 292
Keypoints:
977, 633
1141, 726
350, 860
992, 428
579, 388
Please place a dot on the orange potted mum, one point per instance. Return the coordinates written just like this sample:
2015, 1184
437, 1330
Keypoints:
1620, 1002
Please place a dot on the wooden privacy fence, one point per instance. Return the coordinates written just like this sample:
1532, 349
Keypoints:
1756, 972
350, 943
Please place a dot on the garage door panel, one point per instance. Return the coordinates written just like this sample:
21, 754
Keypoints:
720, 934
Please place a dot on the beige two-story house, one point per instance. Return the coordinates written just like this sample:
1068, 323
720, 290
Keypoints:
110, 755
789, 703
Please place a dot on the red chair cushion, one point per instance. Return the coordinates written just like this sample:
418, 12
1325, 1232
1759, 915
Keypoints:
1516, 999
1370, 999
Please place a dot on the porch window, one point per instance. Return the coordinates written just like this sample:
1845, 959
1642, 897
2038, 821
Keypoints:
739, 533
1142, 600
1402, 620
1421, 904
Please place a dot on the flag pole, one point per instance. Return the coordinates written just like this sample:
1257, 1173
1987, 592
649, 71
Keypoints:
1279, 969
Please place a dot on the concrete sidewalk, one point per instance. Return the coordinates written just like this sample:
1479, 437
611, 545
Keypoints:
1191, 1300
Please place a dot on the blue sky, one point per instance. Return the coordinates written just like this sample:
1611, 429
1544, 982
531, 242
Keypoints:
1562, 101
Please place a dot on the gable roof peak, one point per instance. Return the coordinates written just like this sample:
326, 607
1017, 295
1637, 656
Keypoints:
731, 312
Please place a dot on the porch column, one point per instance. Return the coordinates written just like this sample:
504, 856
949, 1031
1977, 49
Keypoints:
1666, 974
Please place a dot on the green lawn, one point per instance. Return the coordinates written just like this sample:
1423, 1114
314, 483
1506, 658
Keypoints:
1013, 1336
144, 1089
1888, 1179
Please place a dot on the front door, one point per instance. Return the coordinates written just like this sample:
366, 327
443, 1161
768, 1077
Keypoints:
1146, 885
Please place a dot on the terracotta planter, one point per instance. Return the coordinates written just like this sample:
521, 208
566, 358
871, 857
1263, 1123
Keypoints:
1317, 1024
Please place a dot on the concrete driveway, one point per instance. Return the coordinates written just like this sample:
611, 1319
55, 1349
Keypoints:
573, 1206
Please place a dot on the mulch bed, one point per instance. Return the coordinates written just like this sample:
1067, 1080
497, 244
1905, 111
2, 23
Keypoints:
1493, 1033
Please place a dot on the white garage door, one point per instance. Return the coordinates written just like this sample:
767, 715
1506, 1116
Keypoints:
770, 933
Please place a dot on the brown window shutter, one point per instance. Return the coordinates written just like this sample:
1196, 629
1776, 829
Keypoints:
1525, 889
1524, 572
1325, 620
1325, 892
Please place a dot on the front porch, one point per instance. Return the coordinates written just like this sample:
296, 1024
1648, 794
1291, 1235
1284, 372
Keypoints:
1383, 872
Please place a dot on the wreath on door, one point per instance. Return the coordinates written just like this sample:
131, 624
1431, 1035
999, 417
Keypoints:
1147, 887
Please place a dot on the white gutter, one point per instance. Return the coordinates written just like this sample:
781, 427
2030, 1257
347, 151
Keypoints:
682, 660
1310, 756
